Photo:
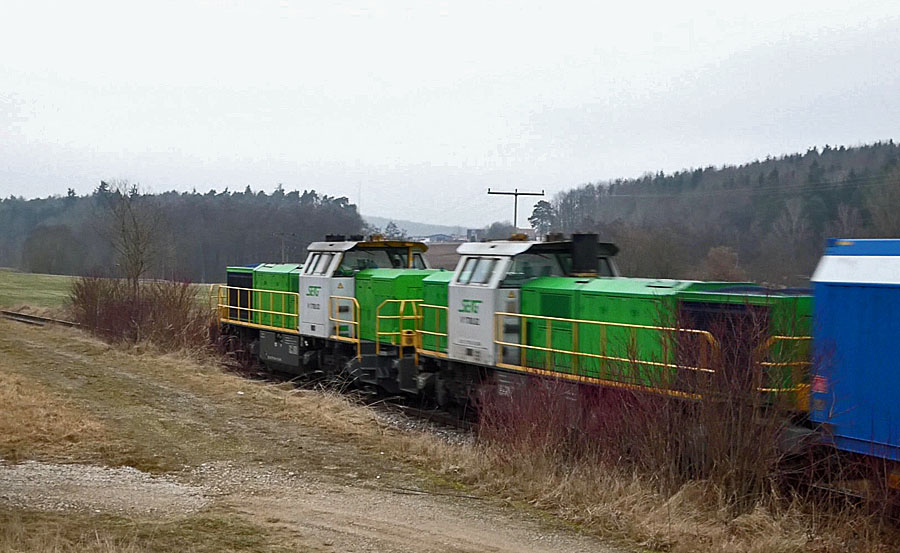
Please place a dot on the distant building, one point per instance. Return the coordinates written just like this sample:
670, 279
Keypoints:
439, 238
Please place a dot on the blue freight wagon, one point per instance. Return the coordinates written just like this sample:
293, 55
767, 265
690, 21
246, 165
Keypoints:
855, 379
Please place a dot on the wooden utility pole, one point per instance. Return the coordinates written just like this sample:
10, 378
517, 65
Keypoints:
515, 193
284, 235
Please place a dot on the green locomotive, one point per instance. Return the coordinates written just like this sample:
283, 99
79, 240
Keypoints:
373, 311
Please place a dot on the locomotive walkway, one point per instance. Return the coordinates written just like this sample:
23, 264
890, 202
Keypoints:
161, 452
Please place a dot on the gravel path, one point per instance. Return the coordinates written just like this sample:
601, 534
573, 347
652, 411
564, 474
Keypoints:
227, 456
125, 490
337, 513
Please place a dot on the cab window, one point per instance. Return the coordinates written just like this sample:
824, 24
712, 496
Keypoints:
605, 267
528, 266
483, 271
477, 270
466, 273
357, 260
322, 264
311, 263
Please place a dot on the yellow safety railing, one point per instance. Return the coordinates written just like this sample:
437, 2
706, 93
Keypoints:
439, 337
212, 299
241, 312
402, 337
707, 354
799, 362
351, 323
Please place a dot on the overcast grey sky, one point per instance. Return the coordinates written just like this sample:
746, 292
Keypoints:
423, 105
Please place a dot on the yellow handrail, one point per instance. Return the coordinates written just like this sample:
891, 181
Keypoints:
407, 337
438, 335
352, 322
603, 325
799, 388
576, 355
766, 348
213, 291
224, 307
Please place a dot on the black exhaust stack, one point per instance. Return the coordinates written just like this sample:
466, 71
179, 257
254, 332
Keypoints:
585, 253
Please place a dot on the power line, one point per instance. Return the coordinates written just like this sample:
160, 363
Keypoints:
516, 195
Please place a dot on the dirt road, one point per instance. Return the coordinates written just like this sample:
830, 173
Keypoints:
226, 463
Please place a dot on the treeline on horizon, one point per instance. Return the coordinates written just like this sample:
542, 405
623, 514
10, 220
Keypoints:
765, 221
196, 234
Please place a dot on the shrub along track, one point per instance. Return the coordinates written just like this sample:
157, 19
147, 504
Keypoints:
231, 464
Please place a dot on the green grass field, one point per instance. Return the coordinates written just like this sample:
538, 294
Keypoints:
18, 289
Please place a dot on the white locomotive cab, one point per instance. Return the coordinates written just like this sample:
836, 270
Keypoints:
330, 271
488, 280
317, 285
474, 297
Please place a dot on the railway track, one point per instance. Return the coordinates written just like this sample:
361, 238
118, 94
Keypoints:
429, 416
35, 319
385, 404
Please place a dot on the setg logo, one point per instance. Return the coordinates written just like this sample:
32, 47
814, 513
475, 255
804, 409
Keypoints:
470, 306
313, 291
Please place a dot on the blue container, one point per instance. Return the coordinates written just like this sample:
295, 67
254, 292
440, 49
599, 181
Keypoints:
855, 381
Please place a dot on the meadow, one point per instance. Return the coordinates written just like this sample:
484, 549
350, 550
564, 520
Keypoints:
44, 291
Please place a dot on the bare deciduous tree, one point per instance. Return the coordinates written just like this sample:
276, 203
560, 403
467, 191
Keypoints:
133, 226
883, 207
722, 264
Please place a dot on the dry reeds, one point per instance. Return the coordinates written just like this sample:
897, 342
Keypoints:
162, 312
711, 472
34, 421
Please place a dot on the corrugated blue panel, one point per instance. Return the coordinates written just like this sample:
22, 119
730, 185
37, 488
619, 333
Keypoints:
849, 246
856, 377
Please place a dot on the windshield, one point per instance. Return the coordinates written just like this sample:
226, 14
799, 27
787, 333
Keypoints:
477, 270
377, 258
529, 266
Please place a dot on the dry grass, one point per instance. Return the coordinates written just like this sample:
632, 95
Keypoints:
597, 497
27, 531
180, 404
166, 313
36, 422
609, 502
70, 396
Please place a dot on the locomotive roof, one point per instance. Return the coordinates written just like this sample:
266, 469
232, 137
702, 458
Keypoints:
344, 246
516, 247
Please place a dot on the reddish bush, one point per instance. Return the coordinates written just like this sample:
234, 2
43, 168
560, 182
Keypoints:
166, 313
691, 425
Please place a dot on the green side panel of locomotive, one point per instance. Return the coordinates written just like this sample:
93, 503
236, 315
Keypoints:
435, 291
549, 297
773, 325
374, 287
280, 277
639, 347
634, 349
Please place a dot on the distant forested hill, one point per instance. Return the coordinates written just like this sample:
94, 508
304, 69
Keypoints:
414, 228
199, 234
764, 220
